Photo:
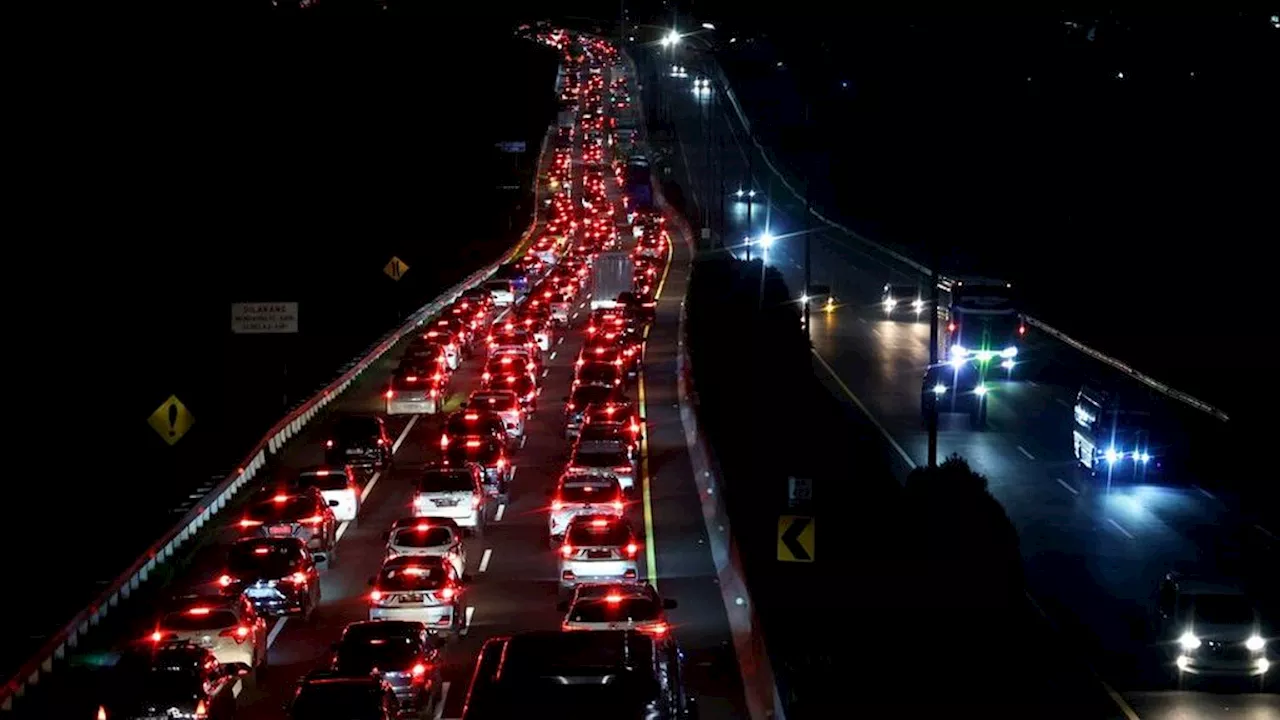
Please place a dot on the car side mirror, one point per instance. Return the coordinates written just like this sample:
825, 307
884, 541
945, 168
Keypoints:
669, 604
334, 503
562, 606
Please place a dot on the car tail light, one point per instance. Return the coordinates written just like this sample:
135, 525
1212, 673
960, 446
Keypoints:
328, 443
246, 523
239, 632
102, 713
566, 550
632, 548
201, 710
622, 468
313, 520
390, 394
280, 498
1022, 329
617, 505
226, 580
951, 327
375, 596
471, 416
298, 578
419, 670
473, 443
599, 523
448, 592
444, 441
556, 504
156, 636
658, 629
485, 377
382, 441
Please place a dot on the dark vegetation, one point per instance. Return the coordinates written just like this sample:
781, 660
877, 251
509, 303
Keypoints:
182, 171
916, 591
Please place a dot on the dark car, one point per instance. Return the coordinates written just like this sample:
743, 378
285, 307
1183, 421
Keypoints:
472, 423
325, 695
488, 453
576, 404
302, 514
402, 653
172, 680
358, 440
276, 575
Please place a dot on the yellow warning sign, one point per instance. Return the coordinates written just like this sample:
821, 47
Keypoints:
172, 420
396, 269
795, 538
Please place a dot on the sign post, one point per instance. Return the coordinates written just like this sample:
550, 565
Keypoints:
795, 539
268, 319
799, 491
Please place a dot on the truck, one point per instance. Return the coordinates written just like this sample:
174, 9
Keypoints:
612, 274
981, 323
1114, 436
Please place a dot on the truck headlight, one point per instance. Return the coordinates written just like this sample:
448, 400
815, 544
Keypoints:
1112, 456
1255, 643
939, 389
1189, 641
1009, 352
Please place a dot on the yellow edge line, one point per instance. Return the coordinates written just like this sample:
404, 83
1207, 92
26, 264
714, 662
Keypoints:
646, 494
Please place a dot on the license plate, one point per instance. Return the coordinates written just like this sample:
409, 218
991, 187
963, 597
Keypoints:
599, 554
445, 503
410, 599
354, 451
260, 592
281, 531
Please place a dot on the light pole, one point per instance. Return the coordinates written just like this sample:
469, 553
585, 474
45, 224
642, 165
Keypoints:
932, 419
808, 223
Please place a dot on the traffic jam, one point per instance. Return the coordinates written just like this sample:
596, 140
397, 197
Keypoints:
572, 309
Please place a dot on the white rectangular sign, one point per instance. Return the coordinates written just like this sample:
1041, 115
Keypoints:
264, 318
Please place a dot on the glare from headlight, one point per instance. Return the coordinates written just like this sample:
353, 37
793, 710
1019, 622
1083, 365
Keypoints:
939, 389
1189, 641
1255, 643
980, 390
1112, 455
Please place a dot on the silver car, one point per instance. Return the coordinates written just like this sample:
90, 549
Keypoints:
609, 458
427, 537
598, 548
419, 589
582, 495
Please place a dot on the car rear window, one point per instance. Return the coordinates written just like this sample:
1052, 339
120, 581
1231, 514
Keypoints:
186, 621
600, 458
411, 380
337, 700
590, 394
411, 577
583, 533
290, 510
356, 429
446, 481
584, 492
433, 536
269, 558
332, 480
497, 402
500, 285
484, 454
634, 609
358, 655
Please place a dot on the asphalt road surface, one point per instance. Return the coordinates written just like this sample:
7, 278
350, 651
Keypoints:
514, 574
1093, 556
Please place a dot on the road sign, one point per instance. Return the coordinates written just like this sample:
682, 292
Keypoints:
799, 490
515, 146
396, 269
264, 318
795, 538
172, 420
706, 233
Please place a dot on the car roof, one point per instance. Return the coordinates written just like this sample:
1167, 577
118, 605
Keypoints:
410, 522
1205, 585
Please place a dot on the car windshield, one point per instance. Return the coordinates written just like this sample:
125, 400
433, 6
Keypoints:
267, 559
632, 609
199, 618
446, 481
411, 577
1223, 610
360, 652
433, 536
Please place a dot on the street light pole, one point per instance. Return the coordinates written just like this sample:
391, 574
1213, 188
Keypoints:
932, 419
808, 225
750, 200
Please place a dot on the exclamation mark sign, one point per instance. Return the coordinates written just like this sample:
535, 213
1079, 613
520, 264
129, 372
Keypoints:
173, 419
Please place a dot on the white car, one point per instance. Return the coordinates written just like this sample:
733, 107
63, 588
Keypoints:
226, 626
598, 548
339, 488
453, 492
617, 606
506, 404
582, 495
427, 537
419, 589
1211, 627
502, 291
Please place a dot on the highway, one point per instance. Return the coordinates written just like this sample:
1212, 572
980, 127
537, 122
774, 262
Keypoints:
1093, 558
513, 575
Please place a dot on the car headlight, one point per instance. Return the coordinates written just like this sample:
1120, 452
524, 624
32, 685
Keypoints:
939, 389
1189, 641
1255, 643
1113, 456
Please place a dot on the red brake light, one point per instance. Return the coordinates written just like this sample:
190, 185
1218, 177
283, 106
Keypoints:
419, 670
951, 327
239, 632
198, 611
1022, 329
473, 443
599, 523
375, 596
411, 378
313, 520
156, 636
422, 527
281, 498
617, 505
390, 394
328, 443
444, 441
556, 504
261, 550
657, 629
322, 473
566, 550
613, 598
448, 592
632, 548
622, 468
298, 578
102, 713
225, 580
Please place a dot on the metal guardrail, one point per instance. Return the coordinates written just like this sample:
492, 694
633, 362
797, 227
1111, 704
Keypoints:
277, 438
1037, 323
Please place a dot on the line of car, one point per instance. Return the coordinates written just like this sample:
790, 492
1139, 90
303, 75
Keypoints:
205, 646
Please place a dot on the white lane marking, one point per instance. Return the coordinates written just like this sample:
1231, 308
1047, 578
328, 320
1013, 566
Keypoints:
444, 695
1264, 531
877, 332
484, 559
1067, 485
235, 689
514, 468
1024, 452
862, 320
369, 488
342, 530
545, 371
502, 510
553, 354
471, 611
1062, 402
574, 316
1204, 492
275, 630
1119, 527
558, 342
395, 446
